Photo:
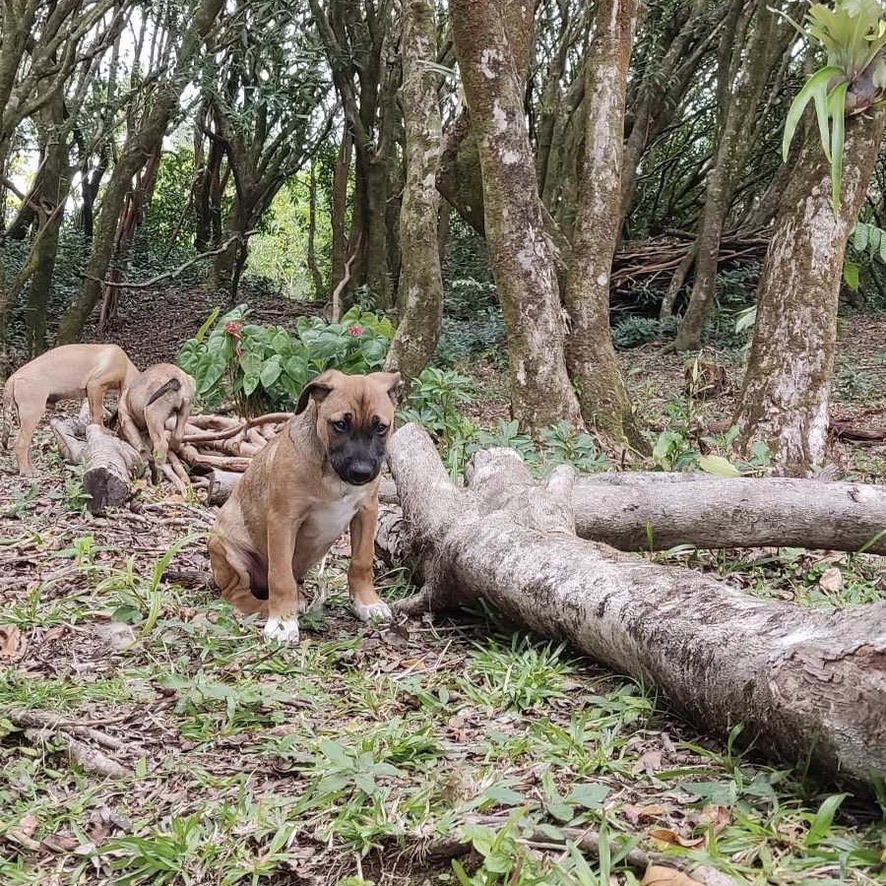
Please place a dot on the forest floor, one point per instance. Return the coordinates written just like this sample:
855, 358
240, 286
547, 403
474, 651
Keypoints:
368, 755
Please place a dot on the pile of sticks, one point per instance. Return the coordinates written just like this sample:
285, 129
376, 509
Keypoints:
653, 262
219, 448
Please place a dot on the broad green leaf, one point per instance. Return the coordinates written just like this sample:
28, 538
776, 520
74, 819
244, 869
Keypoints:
207, 324
824, 819
250, 383
851, 270
716, 464
270, 372
815, 89
837, 112
504, 796
860, 237
589, 795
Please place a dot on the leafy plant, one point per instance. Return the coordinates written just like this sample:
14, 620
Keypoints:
436, 402
265, 367
853, 35
631, 332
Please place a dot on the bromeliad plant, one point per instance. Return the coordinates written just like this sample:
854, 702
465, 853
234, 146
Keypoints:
264, 368
853, 35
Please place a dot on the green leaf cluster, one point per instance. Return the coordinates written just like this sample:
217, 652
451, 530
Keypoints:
853, 36
264, 368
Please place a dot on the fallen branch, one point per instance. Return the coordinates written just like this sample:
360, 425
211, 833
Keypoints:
635, 511
109, 462
809, 686
166, 275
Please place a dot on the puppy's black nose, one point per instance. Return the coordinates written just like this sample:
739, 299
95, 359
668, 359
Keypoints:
360, 473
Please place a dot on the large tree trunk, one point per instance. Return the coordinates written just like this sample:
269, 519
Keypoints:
809, 686
590, 355
522, 255
421, 284
138, 148
786, 392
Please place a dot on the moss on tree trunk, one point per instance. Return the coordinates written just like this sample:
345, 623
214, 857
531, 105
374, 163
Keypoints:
786, 391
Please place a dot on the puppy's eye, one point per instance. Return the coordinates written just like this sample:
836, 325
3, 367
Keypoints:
339, 426
381, 430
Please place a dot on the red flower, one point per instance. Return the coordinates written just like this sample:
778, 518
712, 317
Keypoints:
233, 327
356, 331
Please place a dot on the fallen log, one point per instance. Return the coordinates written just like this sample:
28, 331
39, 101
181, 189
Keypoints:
109, 462
635, 511
809, 686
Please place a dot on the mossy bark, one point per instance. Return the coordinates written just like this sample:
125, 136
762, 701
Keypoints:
786, 392
590, 354
420, 291
522, 254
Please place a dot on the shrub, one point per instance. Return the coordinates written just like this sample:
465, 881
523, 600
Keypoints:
264, 368
635, 331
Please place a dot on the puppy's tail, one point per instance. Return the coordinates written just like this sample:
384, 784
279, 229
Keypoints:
7, 412
172, 385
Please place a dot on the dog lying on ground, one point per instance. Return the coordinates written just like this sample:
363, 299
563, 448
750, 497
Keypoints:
316, 477
160, 392
61, 373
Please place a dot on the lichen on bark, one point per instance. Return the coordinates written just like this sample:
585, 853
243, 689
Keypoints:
786, 392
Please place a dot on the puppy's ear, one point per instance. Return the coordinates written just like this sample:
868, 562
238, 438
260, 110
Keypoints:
318, 390
393, 382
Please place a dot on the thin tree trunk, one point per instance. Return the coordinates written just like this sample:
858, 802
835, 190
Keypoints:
741, 88
421, 282
809, 687
786, 392
522, 255
339, 208
135, 152
311, 257
590, 354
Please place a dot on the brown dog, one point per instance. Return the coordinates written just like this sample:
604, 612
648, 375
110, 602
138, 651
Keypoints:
64, 372
317, 476
160, 392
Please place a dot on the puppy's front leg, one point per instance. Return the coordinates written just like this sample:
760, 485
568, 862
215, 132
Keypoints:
284, 599
367, 604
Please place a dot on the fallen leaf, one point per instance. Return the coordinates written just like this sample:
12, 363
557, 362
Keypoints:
10, 639
658, 875
60, 843
648, 812
667, 835
831, 580
718, 816
23, 833
648, 762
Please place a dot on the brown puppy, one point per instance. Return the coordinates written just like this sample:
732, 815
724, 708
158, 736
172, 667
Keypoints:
64, 372
317, 476
147, 401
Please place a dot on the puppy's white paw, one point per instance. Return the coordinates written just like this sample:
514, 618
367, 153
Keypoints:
283, 630
373, 611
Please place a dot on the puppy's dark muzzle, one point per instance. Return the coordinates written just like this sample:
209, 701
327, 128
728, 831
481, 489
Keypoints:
357, 473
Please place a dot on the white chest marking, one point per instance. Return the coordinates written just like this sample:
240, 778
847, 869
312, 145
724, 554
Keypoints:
330, 519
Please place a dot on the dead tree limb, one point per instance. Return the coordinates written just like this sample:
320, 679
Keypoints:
808, 686
109, 461
635, 511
